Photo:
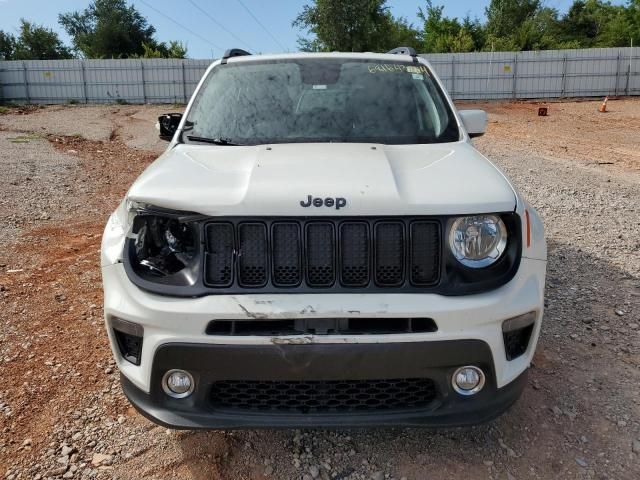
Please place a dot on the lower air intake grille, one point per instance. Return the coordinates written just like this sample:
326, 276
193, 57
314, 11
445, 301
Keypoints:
332, 396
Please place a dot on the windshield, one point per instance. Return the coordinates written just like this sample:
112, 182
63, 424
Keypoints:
320, 100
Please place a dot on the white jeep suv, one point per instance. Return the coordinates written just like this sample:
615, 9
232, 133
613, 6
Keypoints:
322, 245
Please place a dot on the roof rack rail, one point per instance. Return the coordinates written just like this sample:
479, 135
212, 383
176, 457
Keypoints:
233, 52
404, 51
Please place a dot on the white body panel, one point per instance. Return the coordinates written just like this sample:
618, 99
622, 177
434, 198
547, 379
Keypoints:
168, 320
439, 179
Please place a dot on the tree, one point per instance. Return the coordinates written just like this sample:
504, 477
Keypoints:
354, 26
34, 42
400, 33
443, 34
111, 29
162, 50
505, 15
477, 31
7, 45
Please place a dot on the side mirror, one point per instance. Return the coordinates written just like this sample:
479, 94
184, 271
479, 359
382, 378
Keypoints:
168, 124
474, 121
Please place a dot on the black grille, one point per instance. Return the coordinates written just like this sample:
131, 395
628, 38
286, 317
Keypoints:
219, 257
354, 254
339, 396
253, 254
323, 253
320, 254
389, 253
322, 326
425, 245
287, 269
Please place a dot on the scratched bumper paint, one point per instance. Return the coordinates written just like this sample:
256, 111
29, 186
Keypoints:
473, 317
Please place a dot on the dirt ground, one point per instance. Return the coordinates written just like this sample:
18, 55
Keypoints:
62, 415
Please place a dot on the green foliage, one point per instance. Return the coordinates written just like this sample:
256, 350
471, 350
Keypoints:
354, 26
112, 29
367, 25
505, 15
7, 45
442, 34
34, 42
162, 50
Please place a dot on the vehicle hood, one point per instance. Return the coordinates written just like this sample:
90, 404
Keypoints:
435, 179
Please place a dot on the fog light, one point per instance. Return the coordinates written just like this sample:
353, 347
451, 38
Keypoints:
467, 380
178, 383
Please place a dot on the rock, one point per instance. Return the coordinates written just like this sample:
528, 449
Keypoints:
378, 476
314, 471
268, 471
556, 410
635, 447
27, 442
581, 462
101, 459
56, 472
620, 313
66, 450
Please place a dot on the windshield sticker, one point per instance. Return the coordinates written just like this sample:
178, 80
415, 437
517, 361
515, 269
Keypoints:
396, 67
417, 76
319, 87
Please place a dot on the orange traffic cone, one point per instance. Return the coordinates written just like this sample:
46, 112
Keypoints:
603, 107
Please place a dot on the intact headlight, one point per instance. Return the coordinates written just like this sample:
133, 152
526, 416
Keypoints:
478, 241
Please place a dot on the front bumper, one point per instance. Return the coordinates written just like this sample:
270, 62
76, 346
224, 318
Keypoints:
179, 324
210, 364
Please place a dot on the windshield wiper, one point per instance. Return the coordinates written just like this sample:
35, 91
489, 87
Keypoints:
215, 141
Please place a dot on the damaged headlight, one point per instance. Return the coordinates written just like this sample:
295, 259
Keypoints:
163, 247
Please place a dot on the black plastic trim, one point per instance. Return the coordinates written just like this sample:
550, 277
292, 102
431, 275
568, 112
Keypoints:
454, 279
403, 51
233, 52
436, 360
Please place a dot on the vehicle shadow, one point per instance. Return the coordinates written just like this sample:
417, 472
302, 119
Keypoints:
563, 426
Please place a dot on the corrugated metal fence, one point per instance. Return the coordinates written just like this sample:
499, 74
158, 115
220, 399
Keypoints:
470, 76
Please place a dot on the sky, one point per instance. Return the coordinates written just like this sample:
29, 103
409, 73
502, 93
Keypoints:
180, 20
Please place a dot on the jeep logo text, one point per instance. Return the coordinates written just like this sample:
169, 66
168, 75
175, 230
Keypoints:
337, 202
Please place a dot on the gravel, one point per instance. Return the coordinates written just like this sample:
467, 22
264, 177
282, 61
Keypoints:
579, 418
36, 184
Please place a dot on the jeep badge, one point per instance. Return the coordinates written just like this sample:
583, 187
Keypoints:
337, 202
